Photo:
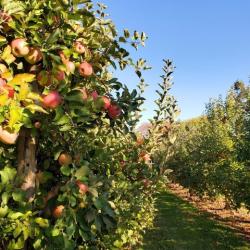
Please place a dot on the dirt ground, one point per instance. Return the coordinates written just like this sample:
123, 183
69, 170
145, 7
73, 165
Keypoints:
237, 219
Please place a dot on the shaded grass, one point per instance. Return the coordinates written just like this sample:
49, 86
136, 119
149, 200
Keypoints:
180, 226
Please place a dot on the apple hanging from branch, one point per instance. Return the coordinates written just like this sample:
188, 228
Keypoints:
85, 69
19, 47
52, 100
34, 56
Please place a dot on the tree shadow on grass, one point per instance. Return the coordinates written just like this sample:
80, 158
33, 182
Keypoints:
180, 226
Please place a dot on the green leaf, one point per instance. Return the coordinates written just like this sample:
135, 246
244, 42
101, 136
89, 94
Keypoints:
55, 232
18, 230
15, 215
83, 171
37, 244
19, 195
93, 191
65, 170
7, 175
3, 211
44, 223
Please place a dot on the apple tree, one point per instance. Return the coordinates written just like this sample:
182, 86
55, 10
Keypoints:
73, 174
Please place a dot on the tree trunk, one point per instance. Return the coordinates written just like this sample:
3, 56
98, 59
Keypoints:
27, 164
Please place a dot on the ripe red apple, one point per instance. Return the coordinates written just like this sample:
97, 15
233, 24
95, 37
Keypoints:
34, 56
114, 111
58, 211
144, 156
44, 78
146, 183
123, 163
70, 67
106, 102
79, 47
94, 95
5, 19
7, 137
85, 69
84, 93
37, 124
52, 100
65, 159
60, 75
19, 47
83, 188
2, 82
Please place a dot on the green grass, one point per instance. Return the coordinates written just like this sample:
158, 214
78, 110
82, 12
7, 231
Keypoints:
180, 226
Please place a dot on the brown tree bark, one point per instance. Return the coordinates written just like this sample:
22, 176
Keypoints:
27, 163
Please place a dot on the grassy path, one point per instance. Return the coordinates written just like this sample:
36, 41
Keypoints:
180, 226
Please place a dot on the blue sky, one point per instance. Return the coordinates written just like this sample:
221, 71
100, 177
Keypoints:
209, 42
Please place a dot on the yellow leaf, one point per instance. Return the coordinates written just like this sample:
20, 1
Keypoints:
3, 99
34, 96
21, 78
7, 56
33, 108
2, 39
7, 75
23, 91
15, 115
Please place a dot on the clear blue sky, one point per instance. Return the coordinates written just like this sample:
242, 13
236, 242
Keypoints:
209, 42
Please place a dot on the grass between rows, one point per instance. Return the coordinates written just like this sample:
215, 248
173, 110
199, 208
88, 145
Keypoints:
180, 226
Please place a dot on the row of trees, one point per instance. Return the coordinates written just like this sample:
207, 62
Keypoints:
73, 174
212, 153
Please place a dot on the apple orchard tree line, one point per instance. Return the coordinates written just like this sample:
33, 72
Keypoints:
211, 154
74, 175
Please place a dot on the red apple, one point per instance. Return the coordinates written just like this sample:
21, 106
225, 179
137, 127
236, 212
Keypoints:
7, 137
144, 156
37, 124
2, 82
94, 95
52, 100
60, 75
114, 111
106, 102
58, 211
146, 183
122, 163
85, 69
44, 78
34, 56
19, 47
65, 159
83, 188
79, 47
84, 93
70, 67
